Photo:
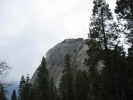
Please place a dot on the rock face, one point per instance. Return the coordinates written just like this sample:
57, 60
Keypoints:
55, 57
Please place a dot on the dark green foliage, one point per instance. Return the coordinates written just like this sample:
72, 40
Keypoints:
14, 96
85, 86
62, 88
42, 89
103, 33
103, 61
35, 90
124, 11
67, 65
2, 92
21, 85
53, 93
77, 85
110, 83
66, 85
110, 71
42, 81
81, 86
26, 90
114, 76
51, 89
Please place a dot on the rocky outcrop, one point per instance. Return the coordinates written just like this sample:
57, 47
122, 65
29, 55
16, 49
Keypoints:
55, 57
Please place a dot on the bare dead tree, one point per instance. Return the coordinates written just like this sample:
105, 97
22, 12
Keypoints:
4, 70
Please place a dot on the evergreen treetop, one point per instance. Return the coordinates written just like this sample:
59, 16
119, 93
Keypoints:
66, 83
103, 33
42, 81
14, 96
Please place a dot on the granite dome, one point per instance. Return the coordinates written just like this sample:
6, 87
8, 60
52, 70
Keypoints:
55, 57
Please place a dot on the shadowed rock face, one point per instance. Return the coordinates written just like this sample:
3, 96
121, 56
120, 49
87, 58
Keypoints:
55, 57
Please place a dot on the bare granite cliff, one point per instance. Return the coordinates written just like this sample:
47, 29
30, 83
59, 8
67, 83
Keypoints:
55, 57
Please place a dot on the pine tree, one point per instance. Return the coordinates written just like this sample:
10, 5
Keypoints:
103, 33
124, 11
62, 88
81, 86
51, 89
42, 81
26, 91
102, 38
14, 96
85, 86
21, 85
115, 77
77, 85
35, 90
66, 85
53, 93
2, 92
67, 65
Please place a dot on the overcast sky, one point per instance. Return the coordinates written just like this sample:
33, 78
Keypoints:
29, 28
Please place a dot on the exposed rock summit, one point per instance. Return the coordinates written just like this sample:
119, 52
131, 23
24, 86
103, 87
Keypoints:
55, 57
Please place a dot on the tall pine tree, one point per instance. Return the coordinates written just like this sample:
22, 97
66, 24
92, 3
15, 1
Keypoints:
103, 33
66, 85
42, 81
102, 39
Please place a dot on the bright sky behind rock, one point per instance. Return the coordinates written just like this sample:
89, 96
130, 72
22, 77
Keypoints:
29, 28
